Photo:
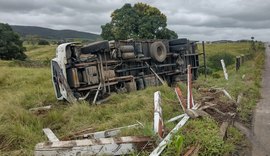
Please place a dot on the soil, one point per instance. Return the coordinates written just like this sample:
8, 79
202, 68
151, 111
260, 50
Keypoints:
223, 110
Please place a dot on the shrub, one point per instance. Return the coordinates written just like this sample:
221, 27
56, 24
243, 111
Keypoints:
216, 75
43, 42
214, 60
209, 71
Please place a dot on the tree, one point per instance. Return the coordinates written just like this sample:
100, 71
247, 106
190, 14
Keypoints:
10, 44
140, 21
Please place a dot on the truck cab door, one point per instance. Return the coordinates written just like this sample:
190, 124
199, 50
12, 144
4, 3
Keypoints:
61, 87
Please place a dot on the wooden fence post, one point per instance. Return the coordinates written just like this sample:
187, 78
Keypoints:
238, 63
204, 60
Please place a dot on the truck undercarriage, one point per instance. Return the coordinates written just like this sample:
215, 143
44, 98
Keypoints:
95, 70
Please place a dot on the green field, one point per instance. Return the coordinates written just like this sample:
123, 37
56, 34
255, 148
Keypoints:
40, 52
24, 87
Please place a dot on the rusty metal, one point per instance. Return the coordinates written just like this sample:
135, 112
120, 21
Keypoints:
77, 133
181, 99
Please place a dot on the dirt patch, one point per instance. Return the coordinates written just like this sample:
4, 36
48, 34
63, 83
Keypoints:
221, 110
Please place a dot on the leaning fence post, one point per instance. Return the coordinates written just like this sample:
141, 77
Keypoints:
224, 69
237, 65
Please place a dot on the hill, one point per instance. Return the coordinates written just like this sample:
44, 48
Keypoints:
48, 33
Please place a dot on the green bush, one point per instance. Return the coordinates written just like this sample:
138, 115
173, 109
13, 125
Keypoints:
216, 75
214, 60
209, 71
43, 42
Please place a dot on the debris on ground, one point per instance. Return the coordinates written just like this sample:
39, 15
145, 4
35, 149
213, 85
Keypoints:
87, 142
102, 146
223, 129
212, 103
175, 118
40, 110
50, 135
77, 133
103, 134
158, 150
190, 151
190, 105
239, 98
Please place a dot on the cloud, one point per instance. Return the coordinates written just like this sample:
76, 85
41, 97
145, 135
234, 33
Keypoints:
199, 20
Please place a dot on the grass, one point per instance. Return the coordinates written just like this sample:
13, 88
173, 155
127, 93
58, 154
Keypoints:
232, 48
40, 52
23, 87
205, 132
249, 86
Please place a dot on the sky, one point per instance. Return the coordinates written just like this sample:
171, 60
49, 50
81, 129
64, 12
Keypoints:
195, 19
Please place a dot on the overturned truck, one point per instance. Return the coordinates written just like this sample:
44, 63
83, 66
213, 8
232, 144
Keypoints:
95, 70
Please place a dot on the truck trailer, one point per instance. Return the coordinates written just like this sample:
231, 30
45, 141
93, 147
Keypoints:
94, 71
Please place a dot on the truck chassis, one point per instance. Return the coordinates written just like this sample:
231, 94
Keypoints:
95, 70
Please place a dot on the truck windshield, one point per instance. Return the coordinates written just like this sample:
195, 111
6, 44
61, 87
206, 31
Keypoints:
55, 75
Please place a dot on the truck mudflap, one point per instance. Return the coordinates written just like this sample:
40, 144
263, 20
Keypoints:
61, 87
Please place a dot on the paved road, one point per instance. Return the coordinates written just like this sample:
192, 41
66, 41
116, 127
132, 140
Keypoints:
261, 123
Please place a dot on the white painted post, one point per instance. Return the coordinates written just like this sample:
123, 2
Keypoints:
158, 121
162, 145
190, 101
50, 135
224, 69
175, 118
188, 88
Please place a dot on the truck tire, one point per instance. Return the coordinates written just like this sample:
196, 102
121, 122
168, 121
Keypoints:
178, 41
95, 47
158, 51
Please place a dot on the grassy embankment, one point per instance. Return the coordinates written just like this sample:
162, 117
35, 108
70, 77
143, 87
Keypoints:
25, 87
205, 132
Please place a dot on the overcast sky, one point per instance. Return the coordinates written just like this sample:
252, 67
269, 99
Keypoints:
195, 19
